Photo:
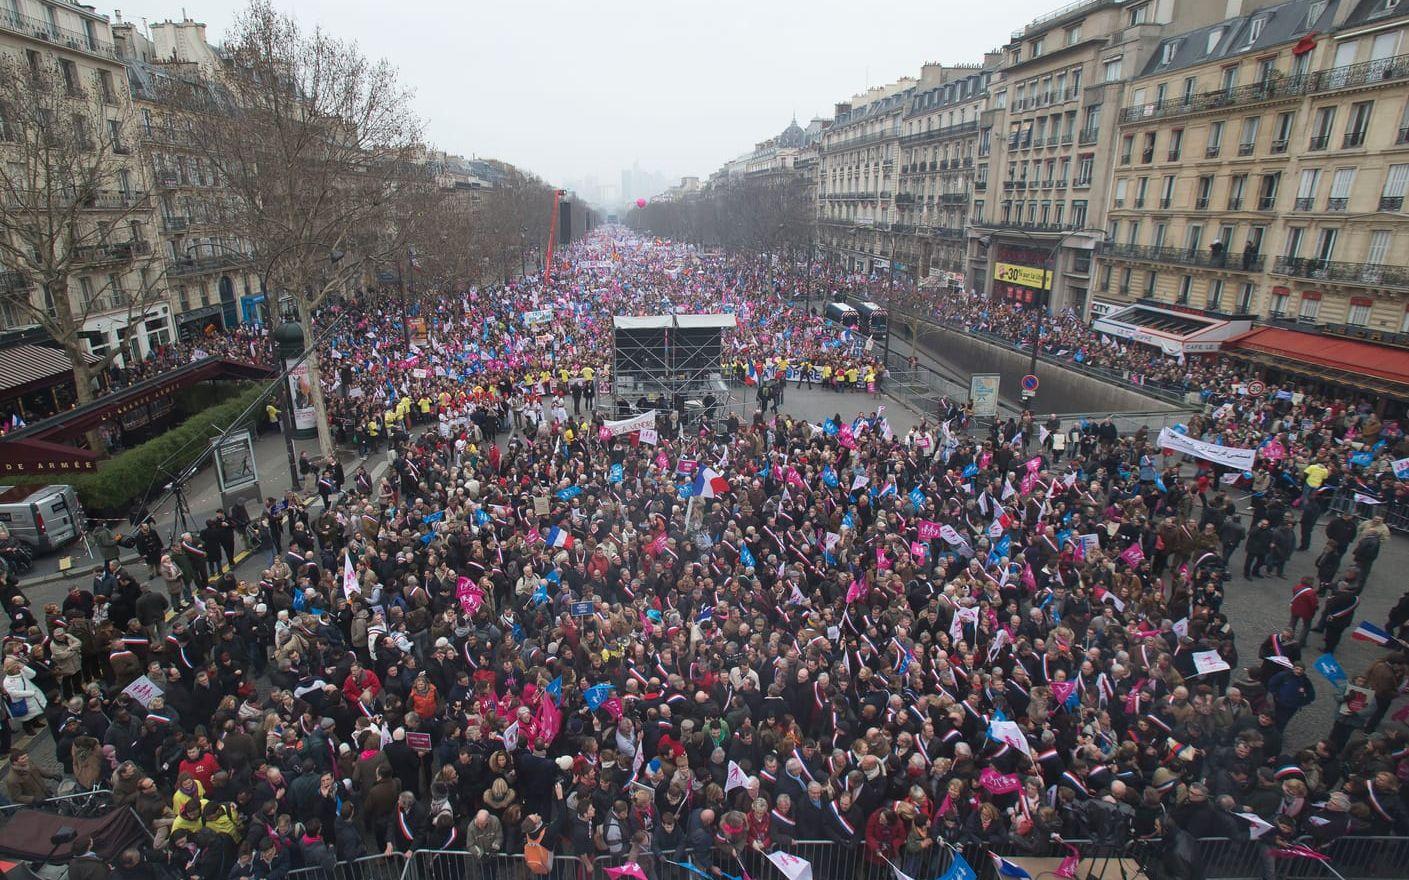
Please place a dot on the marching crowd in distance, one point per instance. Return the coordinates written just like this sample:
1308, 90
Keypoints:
685, 644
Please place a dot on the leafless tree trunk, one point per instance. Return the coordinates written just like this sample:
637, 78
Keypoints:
65, 211
314, 140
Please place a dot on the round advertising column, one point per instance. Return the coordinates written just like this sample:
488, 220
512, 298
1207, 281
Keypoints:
298, 392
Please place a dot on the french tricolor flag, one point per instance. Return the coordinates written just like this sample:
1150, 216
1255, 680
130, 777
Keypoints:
1006, 868
1368, 632
708, 484
559, 538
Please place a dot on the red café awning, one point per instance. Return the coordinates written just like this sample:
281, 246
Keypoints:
1331, 357
30, 456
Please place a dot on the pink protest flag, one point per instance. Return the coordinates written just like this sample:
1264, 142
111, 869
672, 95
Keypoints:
613, 707
856, 591
550, 720
1028, 481
882, 562
845, 437
1299, 851
917, 550
999, 783
1029, 579
627, 869
984, 459
1067, 869
1062, 690
662, 460
1034, 464
1133, 555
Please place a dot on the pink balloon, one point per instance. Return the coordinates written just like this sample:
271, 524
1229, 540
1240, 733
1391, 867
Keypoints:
640, 203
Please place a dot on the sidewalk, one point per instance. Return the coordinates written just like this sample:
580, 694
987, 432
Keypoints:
46, 582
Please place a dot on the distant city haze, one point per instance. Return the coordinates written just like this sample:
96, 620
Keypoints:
620, 98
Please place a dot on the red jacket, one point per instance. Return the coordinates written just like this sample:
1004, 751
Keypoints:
203, 768
1304, 602
353, 687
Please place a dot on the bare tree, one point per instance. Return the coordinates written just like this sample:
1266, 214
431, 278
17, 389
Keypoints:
71, 221
315, 141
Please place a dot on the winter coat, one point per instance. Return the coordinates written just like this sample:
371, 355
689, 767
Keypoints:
66, 652
87, 761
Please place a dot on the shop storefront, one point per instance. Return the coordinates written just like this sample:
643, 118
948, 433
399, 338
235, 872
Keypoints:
1175, 333
193, 323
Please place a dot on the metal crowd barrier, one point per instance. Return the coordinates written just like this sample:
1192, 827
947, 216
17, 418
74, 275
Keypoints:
1352, 858
1396, 513
378, 867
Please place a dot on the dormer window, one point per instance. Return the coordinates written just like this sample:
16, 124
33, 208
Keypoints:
1254, 31
1215, 37
1168, 51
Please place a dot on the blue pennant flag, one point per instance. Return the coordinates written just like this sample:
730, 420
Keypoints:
830, 427
569, 493
970, 471
1000, 549
746, 556
540, 595
684, 490
847, 520
829, 477
555, 689
554, 577
427, 537
959, 869
481, 518
1159, 484
433, 517
616, 474
917, 498
596, 695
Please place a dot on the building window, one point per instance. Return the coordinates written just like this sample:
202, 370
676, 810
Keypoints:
1139, 14
1151, 281
1215, 295
1379, 247
1281, 296
1245, 297
1396, 181
1111, 69
1215, 139
1176, 144
1310, 306
1186, 287
1247, 142
1073, 35
1078, 214
1037, 47
1358, 125
1321, 128
1359, 314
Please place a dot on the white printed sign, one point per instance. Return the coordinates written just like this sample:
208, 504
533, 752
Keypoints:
143, 690
1208, 662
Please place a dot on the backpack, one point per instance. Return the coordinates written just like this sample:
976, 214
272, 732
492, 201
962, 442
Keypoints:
536, 856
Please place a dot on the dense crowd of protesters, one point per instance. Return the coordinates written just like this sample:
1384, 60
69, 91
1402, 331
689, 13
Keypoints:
697, 643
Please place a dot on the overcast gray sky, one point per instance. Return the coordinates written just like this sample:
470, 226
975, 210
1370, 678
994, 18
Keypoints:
568, 89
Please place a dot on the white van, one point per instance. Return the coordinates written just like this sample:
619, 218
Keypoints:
44, 517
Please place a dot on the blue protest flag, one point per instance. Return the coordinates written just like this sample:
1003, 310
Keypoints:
917, 498
596, 695
959, 869
555, 689
746, 556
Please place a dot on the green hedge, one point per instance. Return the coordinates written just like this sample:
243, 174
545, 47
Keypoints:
125, 477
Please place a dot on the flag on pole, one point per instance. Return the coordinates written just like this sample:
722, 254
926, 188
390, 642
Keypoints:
708, 484
793, 867
627, 869
559, 538
1368, 632
349, 575
737, 778
1008, 868
959, 869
